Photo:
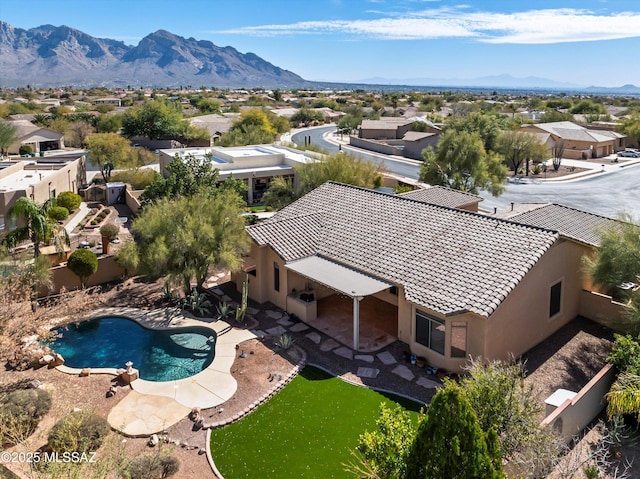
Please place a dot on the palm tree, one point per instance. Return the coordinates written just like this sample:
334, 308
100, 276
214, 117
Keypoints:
623, 397
37, 225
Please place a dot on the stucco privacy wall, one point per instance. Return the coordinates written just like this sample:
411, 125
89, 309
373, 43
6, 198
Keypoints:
575, 414
108, 270
602, 309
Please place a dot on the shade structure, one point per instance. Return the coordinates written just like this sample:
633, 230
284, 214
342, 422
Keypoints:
337, 277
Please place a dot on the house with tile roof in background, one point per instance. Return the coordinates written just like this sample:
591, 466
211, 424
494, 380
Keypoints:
395, 136
370, 268
580, 143
38, 138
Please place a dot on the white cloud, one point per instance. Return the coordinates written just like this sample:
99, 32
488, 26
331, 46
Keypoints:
530, 27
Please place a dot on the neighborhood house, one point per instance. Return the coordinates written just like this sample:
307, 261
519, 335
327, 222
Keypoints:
370, 268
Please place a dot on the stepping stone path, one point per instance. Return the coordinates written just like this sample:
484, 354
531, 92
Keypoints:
404, 372
226, 299
387, 358
367, 358
274, 314
314, 337
298, 328
344, 352
428, 383
284, 321
277, 331
259, 333
367, 372
218, 291
252, 311
328, 345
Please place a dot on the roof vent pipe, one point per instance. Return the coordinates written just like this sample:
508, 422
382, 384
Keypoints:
512, 206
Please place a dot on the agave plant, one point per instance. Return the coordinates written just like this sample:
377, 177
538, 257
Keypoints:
223, 311
197, 303
285, 341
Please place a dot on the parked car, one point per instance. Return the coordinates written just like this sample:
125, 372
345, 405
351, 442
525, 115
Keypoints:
629, 154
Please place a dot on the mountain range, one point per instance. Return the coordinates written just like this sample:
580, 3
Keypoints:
49, 56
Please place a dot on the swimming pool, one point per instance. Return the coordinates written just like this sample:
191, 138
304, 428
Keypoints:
158, 355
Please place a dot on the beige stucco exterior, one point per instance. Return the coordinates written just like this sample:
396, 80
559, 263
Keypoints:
40, 180
256, 165
577, 149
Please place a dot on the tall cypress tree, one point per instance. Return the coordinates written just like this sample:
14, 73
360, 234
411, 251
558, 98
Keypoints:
451, 444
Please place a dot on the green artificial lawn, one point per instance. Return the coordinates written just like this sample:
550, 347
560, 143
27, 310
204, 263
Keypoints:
307, 430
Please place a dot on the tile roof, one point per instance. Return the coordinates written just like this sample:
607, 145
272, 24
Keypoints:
291, 238
440, 195
574, 224
417, 135
570, 131
448, 260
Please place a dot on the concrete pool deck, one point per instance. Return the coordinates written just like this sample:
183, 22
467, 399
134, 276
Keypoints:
153, 406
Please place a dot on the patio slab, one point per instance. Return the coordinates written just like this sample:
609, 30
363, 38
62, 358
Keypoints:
276, 331
344, 352
285, 321
387, 358
140, 414
370, 373
367, 358
314, 337
404, 372
273, 314
328, 345
298, 328
428, 383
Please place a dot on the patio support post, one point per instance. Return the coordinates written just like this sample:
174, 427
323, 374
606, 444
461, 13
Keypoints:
356, 322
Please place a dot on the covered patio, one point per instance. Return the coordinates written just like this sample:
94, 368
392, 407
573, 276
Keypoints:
352, 316
378, 321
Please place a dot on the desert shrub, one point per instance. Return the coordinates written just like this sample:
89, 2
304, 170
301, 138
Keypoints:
81, 431
58, 213
20, 413
109, 230
138, 179
153, 466
69, 200
83, 263
25, 150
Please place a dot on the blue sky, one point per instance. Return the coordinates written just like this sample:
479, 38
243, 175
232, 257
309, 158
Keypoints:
587, 42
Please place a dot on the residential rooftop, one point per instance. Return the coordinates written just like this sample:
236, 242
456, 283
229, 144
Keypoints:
440, 195
448, 260
571, 223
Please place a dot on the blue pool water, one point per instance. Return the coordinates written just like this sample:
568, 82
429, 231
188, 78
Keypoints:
158, 355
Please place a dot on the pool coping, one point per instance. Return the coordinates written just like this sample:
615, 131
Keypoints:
210, 387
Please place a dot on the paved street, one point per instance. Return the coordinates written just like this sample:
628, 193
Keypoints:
608, 194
